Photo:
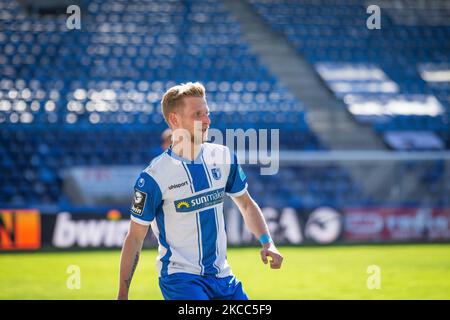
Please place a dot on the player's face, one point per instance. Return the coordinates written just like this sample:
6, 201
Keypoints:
195, 118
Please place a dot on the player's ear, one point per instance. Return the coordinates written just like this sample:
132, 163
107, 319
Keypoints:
174, 120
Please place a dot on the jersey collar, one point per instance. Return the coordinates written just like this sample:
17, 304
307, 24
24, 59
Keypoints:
180, 158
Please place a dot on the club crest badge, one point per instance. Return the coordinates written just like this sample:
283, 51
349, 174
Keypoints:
216, 173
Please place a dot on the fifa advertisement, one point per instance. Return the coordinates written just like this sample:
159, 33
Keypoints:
28, 229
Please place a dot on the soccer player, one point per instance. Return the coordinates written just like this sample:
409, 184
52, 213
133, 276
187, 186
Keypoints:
180, 194
166, 139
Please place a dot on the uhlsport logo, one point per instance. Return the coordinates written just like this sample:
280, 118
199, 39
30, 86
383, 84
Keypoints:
200, 201
178, 185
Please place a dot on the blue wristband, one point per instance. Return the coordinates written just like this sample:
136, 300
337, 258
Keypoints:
265, 238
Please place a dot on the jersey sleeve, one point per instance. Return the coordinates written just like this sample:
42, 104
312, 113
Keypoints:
147, 198
237, 180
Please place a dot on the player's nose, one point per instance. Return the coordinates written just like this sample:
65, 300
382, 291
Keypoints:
206, 120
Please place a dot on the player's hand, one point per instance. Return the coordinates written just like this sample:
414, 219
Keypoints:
269, 250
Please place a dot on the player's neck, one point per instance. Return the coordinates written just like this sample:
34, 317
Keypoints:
187, 151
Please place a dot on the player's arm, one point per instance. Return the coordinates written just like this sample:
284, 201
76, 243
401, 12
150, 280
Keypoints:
147, 198
130, 256
255, 222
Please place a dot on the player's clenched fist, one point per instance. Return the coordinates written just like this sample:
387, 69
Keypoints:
269, 250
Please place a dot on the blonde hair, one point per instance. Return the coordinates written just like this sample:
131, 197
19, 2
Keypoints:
173, 98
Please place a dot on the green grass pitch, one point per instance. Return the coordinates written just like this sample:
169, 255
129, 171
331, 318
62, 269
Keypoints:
333, 272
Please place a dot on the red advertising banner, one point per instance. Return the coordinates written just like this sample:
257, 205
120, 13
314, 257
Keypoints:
396, 224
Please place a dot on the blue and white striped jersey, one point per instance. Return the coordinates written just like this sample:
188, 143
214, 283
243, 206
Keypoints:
182, 200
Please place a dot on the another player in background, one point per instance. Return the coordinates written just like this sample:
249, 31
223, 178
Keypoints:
166, 139
180, 194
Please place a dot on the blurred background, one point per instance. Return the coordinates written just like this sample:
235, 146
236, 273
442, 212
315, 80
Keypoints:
361, 99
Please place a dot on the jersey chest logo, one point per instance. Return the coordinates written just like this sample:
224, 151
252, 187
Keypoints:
200, 201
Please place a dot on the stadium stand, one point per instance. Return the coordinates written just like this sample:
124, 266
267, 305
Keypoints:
91, 96
71, 97
395, 78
